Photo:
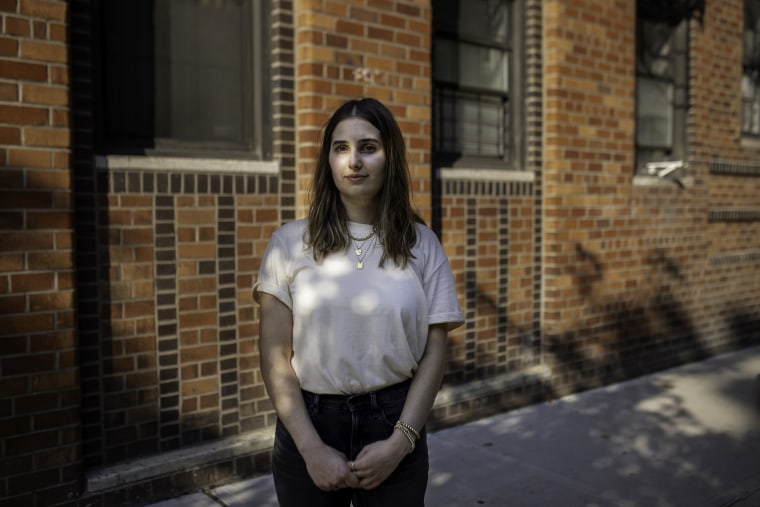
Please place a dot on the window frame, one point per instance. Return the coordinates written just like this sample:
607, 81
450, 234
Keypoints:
257, 143
750, 74
678, 61
513, 107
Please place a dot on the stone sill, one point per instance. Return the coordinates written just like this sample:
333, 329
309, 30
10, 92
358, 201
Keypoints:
185, 164
474, 174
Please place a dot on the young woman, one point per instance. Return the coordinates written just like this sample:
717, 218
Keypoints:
356, 303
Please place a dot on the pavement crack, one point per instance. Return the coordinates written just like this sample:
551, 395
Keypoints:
215, 498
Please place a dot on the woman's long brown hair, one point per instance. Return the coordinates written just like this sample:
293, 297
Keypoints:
327, 229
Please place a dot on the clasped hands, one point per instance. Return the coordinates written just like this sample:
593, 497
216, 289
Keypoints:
331, 470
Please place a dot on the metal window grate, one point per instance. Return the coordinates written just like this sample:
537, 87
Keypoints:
470, 123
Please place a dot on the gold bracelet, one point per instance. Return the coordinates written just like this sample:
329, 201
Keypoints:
409, 428
407, 434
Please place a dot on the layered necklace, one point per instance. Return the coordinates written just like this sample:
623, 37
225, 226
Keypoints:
359, 250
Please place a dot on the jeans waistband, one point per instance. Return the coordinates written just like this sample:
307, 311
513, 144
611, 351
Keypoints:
351, 401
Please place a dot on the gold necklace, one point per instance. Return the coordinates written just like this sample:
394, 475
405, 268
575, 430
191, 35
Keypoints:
365, 238
359, 249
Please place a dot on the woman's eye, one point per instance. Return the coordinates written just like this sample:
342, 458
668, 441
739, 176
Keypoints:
369, 148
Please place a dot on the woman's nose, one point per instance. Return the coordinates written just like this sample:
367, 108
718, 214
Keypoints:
355, 161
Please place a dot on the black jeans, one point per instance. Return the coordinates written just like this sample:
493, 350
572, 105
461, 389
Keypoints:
348, 423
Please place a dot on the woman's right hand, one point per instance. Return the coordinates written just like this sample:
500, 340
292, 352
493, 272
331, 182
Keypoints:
329, 468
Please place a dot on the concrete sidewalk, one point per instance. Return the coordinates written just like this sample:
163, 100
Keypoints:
686, 437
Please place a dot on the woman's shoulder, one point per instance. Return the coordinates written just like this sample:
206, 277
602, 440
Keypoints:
425, 234
291, 230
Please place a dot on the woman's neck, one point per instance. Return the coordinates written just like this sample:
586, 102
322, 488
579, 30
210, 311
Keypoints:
360, 214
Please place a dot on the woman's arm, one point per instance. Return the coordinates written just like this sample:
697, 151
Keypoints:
378, 460
327, 467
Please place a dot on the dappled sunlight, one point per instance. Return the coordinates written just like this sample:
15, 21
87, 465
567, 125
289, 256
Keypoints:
683, 437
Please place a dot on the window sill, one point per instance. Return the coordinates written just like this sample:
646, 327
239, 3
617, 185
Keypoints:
485, 175
750, 142
644, 180
184, 164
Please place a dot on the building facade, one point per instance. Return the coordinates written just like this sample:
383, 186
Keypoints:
592, 168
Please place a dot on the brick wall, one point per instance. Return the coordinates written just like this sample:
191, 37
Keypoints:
632, 282
571, 274
167, 251
39, 375
730, 170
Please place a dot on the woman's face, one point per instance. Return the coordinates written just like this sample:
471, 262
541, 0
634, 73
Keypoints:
357, 161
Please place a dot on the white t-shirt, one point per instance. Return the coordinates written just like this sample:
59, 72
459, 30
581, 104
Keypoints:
358, 330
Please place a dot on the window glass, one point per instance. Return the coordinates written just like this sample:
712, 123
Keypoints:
751, 69
472, 65
472, 58
654, 124
484, 20
661, 91
179, 75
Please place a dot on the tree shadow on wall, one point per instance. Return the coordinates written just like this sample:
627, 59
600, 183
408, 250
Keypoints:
650, 332
630, 336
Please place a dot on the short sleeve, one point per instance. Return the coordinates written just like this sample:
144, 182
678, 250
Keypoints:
274, 273
438, 283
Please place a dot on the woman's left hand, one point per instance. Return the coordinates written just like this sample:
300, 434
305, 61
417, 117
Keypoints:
379, 459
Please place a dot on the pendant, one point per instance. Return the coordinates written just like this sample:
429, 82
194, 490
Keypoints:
358, 251
359, 264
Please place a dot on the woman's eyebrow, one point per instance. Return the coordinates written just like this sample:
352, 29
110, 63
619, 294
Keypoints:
365, 140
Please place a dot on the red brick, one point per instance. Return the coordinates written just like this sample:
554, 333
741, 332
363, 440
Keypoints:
16, 241
18, 365
49, 220
29, 158
25, 200
17, 26
43, 51
8, 92
23, 115
408, 10
22, 70
347, 27
363, 15
55, 380
47, 137
39, 29
44, 94
59, 300
10, 135
11, 262
58, 32
374, 32
32, 282
8, 47
46, 9
61, 118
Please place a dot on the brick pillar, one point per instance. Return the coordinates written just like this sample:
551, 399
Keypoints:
39, 376
588, 164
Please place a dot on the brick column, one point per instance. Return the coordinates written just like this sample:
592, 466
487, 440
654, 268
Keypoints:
39, 377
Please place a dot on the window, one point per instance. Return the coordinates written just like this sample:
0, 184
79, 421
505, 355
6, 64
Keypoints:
182, 77
475, 100
662, 94
751, 69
